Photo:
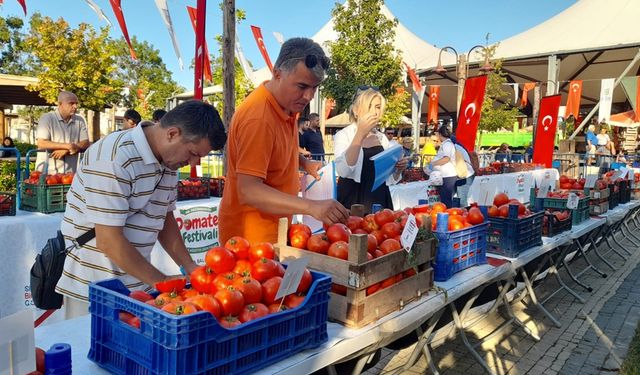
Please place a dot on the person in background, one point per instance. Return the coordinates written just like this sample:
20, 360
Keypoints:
503, 153
444, 163
157, 115
407, 150
592, 143
8, 143
303, 125
605, 146
472, 163
355, 145
126, 191
429, 149
312, 139
621, 158
391, 133
263, 162
131, 119
528, 153
64, 134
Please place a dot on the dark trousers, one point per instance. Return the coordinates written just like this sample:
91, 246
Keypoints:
447, 190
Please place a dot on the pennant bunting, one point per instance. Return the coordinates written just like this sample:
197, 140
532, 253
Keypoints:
329, 105
24, 6
573, 99
546, 130
417, 86
278, 37
257, 34
515, 92
606, 98
434, 98
193, 15
166, 17
117, 10
98, 11
631, 87
244, 64
470, 111
525, 91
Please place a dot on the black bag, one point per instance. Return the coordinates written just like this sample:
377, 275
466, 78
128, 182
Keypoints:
47, 269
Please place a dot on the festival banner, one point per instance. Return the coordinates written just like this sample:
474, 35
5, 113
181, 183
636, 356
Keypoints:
631, 87
470, 111
199, 229
166, 18
525, 91
417, 86
432, 111
257, 34
515, 92
98, 11
193, 15
244, 63
279, 37
329, 105
573, 99
606, 98
24, 6
546, 130
117, 10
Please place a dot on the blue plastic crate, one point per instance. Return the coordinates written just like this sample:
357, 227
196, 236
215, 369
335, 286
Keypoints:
197, 344
458, 250
510, 236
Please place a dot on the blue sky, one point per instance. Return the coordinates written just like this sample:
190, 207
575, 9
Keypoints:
458, 23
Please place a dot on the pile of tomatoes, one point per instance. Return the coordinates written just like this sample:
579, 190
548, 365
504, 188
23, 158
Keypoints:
501, 203
52, 179
459, 218
193, 188
237, 284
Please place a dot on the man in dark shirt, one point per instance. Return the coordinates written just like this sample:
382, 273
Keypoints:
303, 125
312, 138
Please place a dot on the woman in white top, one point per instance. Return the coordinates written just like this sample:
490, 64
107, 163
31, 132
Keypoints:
355, 145
604, 142
444, 161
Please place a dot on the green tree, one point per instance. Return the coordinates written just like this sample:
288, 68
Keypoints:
78, 60
13, 57
363, 54
31, 114
148, 80
396, 107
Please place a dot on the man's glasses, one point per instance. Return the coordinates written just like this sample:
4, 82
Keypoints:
367, 87
310, 61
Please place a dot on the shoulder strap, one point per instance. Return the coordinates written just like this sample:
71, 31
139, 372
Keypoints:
86, 237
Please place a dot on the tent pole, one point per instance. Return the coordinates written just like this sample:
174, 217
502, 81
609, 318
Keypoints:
615, 84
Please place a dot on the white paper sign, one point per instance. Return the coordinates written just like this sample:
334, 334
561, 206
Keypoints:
616, 175
623, 172
572, 201
485, 196
292, 277
409, 233
199, 170
17, 344
543, 191
590, 181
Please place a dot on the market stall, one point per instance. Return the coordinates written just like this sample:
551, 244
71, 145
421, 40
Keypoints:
517, 185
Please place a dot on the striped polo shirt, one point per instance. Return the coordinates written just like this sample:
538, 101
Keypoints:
119, 182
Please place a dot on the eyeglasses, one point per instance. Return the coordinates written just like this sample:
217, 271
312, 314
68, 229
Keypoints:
390, 133
367, 87
310, 61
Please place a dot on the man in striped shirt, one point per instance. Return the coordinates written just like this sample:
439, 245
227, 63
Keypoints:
125, 188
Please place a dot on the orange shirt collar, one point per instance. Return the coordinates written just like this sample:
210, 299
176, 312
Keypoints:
274, 103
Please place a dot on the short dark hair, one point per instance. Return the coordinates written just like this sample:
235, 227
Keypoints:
295, 50
444, 131
313, 116
158, 114
197, 120
392, 130
132, 114
302, 120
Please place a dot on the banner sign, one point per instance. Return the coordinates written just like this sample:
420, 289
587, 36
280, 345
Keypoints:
546, 130
199, 228
432, 112
573, 99
470, 111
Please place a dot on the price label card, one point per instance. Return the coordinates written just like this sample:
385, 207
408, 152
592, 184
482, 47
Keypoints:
292, 277
485, 191
623, 172
590, 181
543, 191
572, 201
199, 170
616, 175
409, 233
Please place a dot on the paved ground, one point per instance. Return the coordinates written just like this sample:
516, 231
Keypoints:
593, 339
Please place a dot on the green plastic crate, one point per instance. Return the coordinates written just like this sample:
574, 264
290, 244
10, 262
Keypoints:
580, 214
44, 198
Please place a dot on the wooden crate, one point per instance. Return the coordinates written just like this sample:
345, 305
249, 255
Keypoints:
595, 194
599, 208
356, 309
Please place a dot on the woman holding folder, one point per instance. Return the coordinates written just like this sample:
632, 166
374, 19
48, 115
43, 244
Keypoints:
355, 145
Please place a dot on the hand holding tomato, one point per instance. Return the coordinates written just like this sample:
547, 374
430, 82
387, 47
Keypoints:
328, 211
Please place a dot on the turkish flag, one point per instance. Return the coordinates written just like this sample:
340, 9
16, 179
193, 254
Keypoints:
470, 111
117, 10
23, 5
417, 86
525, 90
546, 130
432, 111
257, 34
573, 99
193, 15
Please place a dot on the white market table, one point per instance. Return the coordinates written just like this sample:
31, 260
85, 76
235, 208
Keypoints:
517, 185
409, 194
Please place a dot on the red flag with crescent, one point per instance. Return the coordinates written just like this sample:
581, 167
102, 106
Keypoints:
573, 99
434, 98
117, 10
193, 15
470, 111
525, 91
23, 4
257, 34
546, 130
417, 86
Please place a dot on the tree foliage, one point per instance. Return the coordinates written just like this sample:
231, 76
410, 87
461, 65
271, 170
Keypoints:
147, 79
497, 111
363, 54
396, 107
13, 57
78, 60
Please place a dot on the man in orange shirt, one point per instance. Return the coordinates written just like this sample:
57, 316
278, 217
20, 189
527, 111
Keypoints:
262, 180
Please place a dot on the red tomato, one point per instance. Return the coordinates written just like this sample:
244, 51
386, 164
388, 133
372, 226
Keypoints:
475, 216
369, 223
373, 288
424, 208
281, 269
171, 285
421, 218
202, 280
40, 359
243, 267
338, 232
339, 249
390, 245
383, 216
410, 272
378, 235
269, 290
318, 243
188, 293
339, 289
253, 311
140, 295
391, 229
299, 239
250, 289
455, 223
503, 210
294, 300
455, 211
277, 307
359, 231
67, 179
295, 228
500, 199
372, 243
438, 207
51, 180
378, 253
206, 302
231, 300
388, 282
220, 260
35, 175
129, 319
239, 246
229, 322
261, 250
180, 308
305, 282
226, 279
354, 223
264, 269
493, 211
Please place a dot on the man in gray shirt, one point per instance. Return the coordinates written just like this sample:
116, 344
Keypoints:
64, 134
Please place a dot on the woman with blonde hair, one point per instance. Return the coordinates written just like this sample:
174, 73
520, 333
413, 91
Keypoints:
355, 145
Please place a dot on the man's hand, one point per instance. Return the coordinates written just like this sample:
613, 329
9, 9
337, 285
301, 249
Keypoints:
73, 148
59, 154
401, 165
312, 167
329, 211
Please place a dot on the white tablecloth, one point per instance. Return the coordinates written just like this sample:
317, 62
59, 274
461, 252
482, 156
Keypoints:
517, 185
23, 236
409, 194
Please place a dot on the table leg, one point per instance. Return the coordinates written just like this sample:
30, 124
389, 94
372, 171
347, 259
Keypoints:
534, 299
595, 250
554, 269
362, 361
422, 346
461, 331
630, 234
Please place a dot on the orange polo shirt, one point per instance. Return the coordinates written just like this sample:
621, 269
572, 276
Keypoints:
262, 142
